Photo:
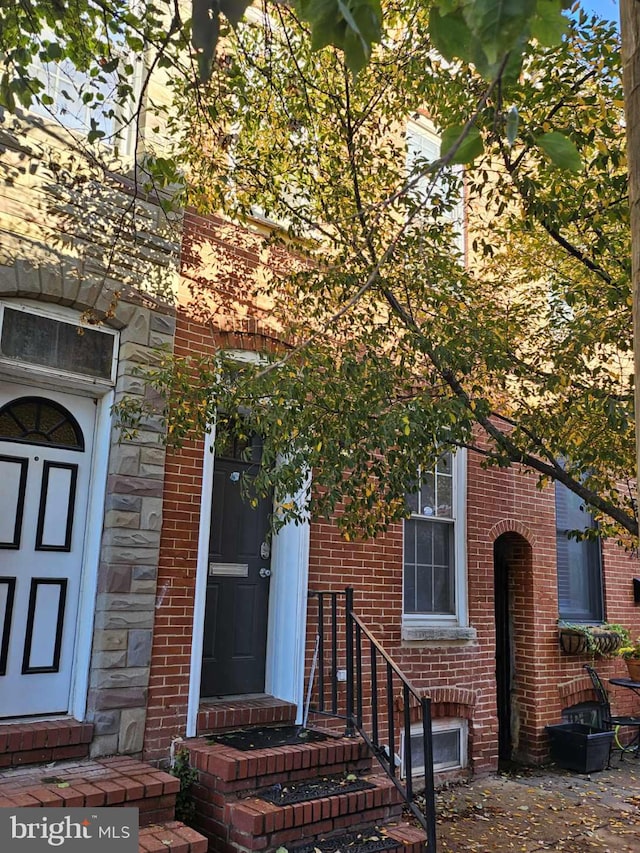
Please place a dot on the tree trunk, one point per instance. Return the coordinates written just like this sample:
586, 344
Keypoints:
630, 30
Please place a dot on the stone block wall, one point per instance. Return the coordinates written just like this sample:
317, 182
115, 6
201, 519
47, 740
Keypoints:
78, 238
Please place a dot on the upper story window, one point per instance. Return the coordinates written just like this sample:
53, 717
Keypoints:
423, 148
434, 549
579, 563
91, 102
46, 340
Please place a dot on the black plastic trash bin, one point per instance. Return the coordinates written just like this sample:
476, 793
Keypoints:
575, 746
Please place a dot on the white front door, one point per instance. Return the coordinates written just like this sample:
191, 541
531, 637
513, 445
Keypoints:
46, 441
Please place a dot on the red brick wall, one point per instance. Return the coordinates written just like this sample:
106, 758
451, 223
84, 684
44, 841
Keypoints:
500, 503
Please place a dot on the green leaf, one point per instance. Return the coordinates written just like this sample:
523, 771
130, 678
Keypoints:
513, 120
560, 150
498, 24
205, 30
451, 35
234, 10
350, 25
470, 147
548, 25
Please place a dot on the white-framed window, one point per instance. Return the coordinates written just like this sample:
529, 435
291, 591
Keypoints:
423, 148
53, 340
434, 553
85, 102
449, 739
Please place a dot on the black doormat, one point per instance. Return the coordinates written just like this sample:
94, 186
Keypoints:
312, 789
350, 842
266, 736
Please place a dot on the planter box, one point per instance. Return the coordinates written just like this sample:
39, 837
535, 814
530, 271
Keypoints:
578, 747
573, 641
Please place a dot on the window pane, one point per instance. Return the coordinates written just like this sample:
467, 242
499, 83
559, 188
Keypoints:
442, 597
428, 567
578, 561
53, 343
446, 748
445, 496
427, 495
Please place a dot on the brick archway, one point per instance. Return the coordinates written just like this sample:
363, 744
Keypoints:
511, 525
513, 603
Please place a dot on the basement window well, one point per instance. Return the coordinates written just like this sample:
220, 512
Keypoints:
449, 746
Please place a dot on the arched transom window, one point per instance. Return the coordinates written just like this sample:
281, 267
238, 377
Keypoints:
36, 420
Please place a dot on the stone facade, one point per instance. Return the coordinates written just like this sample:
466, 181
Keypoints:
94, 247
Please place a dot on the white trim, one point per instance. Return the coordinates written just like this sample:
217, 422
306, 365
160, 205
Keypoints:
91, 557
202, 570
286, 633
51, 377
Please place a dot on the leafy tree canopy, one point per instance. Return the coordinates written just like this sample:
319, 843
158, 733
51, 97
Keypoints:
393, 349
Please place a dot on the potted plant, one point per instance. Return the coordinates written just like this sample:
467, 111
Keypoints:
630, 653
603, 639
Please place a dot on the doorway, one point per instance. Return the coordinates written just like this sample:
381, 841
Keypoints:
238, 579
46, 441
504, 646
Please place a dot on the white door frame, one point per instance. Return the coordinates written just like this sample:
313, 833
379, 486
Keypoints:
286, 632
91, 557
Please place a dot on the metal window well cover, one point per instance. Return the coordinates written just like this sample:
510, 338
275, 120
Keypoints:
312, 789
356, 842
264, 737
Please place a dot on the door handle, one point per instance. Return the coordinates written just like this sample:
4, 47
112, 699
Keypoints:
264, 572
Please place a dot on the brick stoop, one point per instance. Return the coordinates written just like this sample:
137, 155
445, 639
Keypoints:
231, 815
258, 825
171, 836
228, 770
118, 781
218, 715
43, 741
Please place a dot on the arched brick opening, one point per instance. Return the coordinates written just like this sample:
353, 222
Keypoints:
514, 621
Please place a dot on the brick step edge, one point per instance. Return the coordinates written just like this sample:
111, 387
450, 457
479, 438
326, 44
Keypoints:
43, 741
172, 836
117, 781
229, 770
407, 837
225, 716
253, 824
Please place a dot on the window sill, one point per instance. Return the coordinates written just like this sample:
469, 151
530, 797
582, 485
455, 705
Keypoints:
435, 633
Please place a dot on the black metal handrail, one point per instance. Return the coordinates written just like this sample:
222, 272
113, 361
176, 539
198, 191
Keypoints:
379, 666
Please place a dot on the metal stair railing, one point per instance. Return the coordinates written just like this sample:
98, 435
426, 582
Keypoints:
371, 674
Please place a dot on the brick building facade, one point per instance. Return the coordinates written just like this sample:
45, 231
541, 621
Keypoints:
134, 661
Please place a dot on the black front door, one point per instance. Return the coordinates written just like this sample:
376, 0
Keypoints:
235, 627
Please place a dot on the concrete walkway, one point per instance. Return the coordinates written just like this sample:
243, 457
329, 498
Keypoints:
531, 809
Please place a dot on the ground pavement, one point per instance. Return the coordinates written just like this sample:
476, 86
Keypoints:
530, 810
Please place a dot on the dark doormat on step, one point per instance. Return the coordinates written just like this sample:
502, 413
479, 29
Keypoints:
350, 842
313, 789
264, 737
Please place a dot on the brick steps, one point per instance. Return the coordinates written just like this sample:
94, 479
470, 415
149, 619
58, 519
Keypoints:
225, 714
43, 741
257, 824
118, 781
228, 770
235, 820
407, 837
172, 836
